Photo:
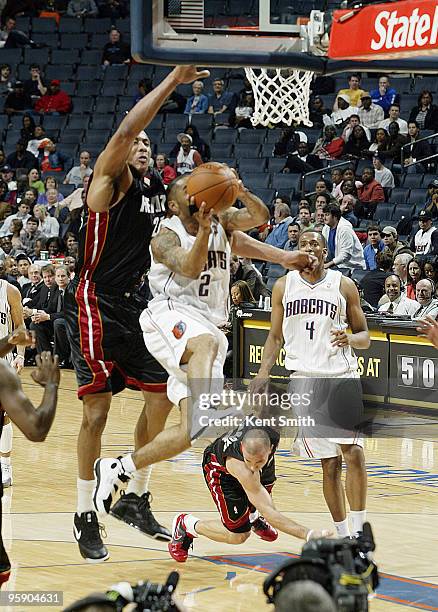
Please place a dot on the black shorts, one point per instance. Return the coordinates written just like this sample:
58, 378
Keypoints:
229, 496
107, 346
5, 564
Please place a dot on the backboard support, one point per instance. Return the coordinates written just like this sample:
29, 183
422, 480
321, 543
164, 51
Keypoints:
171, 32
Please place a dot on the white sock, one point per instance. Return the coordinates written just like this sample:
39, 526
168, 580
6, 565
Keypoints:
85, 495
139, 483
342, 529
253, 516
190, 522
6, 461
128, 464
6, 438
358, 518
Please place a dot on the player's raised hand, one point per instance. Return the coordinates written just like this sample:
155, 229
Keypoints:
298, 260
203, 215
22, 337
428, 327
259, 384
47, 370
187, 74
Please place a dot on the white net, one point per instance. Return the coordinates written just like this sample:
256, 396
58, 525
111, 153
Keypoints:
281, 95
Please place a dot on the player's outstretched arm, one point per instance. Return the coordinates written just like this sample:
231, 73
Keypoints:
360, 337
34, 423
428, 327
245, 246
254, 214
260, 498
166, 248
274, 340
19, 337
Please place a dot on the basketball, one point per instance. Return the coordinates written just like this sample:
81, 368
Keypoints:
215, 184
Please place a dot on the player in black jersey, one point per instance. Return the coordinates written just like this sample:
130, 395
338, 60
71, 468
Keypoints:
124, 205
239, 469
34, 422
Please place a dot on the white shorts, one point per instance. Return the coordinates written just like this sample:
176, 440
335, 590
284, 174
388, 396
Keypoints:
166, 332
331, 397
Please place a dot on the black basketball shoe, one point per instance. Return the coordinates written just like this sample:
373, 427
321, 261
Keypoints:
87, 532
136, 512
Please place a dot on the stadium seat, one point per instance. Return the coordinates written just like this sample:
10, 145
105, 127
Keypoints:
62, 73
73, 136
251, 165
98, 41
66, 190
74, 41
273, 135
82, 105
401, 211
103, 122
35, 56
69, 87
201, 121
113, 88
399, 195
383, 212
65, 57
43, 25
276, 164
427, 179
88, 88
91, 57
417, 196
124, 25
105, 105
89, 73
116, 72
78, 123
286, 182
267, 149
70, 25
13, 57
228, 136
4, 121
220, 150
54, 122
412, 181
97, 136
51, 40
23, 24
246, 150
252, 136
265, 194
176, 122
255, 180
125, 104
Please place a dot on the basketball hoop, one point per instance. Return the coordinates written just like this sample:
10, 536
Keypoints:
281, 95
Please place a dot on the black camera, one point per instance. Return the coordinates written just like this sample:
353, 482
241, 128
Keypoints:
343, 567
148, 597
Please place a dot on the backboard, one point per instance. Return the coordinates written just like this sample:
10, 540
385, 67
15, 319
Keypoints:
283, 33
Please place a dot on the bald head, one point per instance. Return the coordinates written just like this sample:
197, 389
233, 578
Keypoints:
256, 442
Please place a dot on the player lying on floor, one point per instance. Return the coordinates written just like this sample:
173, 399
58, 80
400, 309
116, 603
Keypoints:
239, 469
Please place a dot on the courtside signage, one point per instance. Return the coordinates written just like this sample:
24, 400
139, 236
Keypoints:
385, 31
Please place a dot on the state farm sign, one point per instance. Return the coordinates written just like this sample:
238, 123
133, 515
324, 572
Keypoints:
380, 31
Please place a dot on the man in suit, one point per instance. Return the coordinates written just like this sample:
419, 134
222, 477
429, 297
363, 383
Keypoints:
48, 307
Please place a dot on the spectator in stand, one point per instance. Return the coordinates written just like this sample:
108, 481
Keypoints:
20, 8
3, 274
416, 150
349, 180
293, 234
23, 263
30, 291
144, 87
394, 115
7, 175
305, 217
384, 95
321, 187
393, 246
375, 245
370, 114
383, 175
35, 86
357, 144
2, 158
369, 194
30, 236
23, 213
34, 180
244, 111
430, 270
282, 218
329, 146
400, 267
241, 271
319, 114
415, 274
287, 143
354, 92
424, 293
10, 37
55, 206
17, 101
343, 113
347, 206
52, 160
5, 207
380, 142
425, 241
21, 158
397, 303
5, 79
395, 144
55, 101
373, 283
198, 103
75, 176
188, 158
47, 225
353, 120
50, 182
71, 244
34, 143
55, 248
302, 160
82, 8
425, 114
114, 9
27, 132
46, 307
343, 247
116, 51
221, 101
336, 177
15, 228
165, 170
200, 145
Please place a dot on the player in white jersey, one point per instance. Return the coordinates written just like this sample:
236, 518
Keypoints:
189, 279
11, 317
311, 311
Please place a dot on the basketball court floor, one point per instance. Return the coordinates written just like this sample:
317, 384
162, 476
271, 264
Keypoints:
37, 525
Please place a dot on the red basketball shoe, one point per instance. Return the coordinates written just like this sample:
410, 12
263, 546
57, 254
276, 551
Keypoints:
263, 529
181, 540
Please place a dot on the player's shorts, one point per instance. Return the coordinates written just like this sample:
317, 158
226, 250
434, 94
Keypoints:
166, 329
5, 564
229, 496
336, 407
107, 346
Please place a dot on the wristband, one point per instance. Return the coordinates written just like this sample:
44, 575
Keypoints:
309, 535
